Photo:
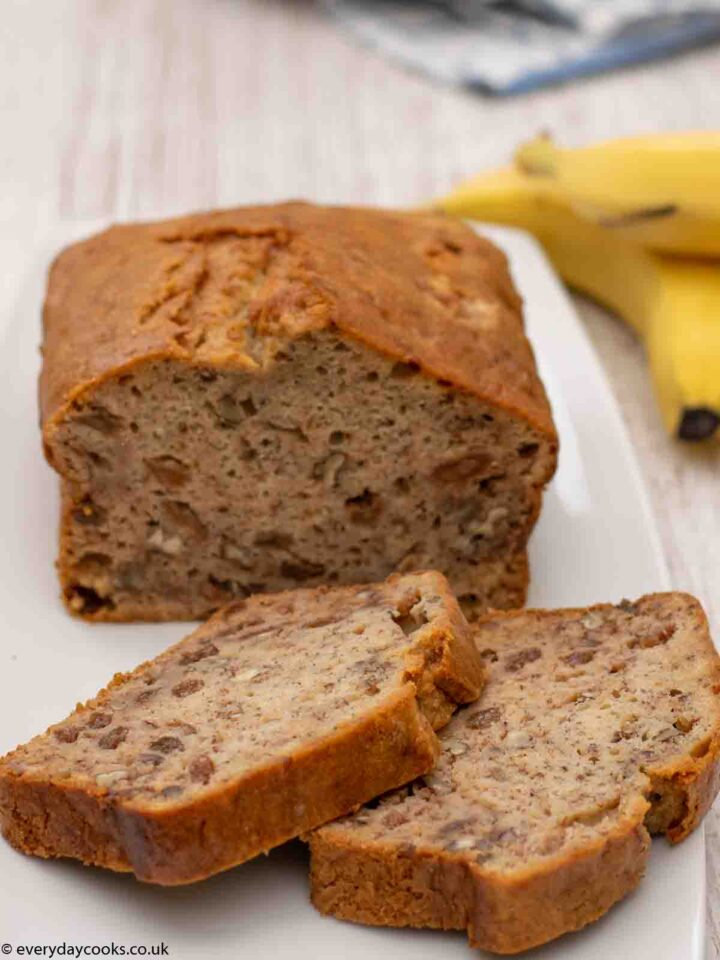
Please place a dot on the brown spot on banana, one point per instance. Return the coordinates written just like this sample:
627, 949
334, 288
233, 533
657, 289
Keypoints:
633, 217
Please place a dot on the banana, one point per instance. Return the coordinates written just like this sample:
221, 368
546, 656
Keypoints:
660, 191
672, 303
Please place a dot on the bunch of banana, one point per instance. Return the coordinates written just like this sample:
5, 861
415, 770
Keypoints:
635, 224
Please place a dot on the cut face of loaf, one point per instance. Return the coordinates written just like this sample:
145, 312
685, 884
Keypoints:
277, 715
596, 728
265, 398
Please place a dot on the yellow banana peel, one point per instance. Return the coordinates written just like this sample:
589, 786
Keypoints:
671, 302
661, 191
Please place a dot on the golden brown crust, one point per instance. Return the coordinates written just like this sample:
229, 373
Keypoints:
182, 845
386, 883
422, 888
181, 842
421, 288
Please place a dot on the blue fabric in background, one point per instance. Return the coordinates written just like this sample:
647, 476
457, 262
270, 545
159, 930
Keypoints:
512, 47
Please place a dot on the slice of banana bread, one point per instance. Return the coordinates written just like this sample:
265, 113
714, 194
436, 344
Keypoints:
262, 398
597, 728
277, 715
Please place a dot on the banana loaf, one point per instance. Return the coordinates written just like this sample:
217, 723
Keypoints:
261, 398
597, 728
277, 715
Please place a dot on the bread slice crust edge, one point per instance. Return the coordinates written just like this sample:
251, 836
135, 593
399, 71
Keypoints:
383, 884
184, 842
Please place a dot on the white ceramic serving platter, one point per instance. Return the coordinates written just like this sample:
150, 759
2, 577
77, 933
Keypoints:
596, 541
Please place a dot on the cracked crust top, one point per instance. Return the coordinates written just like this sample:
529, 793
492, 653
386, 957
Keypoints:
227, 288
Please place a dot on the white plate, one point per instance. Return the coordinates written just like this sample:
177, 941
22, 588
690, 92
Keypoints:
596, 541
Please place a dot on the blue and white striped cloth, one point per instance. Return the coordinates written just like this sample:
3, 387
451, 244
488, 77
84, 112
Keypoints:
518, 45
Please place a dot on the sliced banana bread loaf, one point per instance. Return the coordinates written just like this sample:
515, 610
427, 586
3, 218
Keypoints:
261, 398
596, 728
277, 715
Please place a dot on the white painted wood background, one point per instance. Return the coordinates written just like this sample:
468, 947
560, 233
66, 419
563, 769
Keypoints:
137, 108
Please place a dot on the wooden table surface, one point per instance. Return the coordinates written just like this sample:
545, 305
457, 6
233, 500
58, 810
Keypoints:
138, 108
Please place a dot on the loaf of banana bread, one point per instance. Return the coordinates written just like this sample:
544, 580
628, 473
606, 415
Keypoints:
258, 398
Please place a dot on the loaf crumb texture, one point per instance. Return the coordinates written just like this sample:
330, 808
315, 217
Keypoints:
596, 728
278, 714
